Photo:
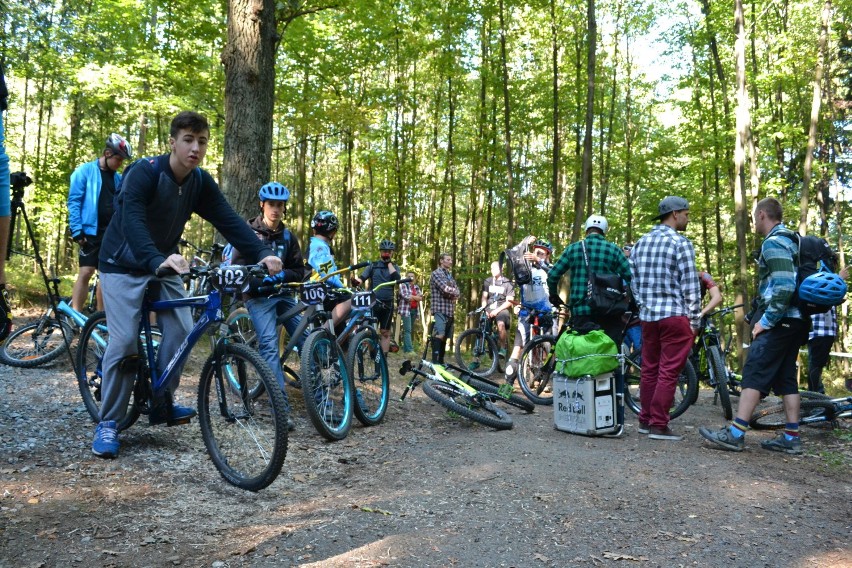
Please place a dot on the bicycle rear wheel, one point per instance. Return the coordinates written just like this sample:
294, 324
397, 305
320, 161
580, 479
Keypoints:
535, 373
326, 385
456, 400
90, 351
686, 391
719, 377
368, 367
36, 343
513, 400
476, 352
246, 436
811, 412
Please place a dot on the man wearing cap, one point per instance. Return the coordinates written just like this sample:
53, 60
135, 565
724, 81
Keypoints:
666, 288
597, 254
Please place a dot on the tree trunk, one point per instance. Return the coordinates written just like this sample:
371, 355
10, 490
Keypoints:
556, 181
586, 176
814, 122
507, 133
249, 61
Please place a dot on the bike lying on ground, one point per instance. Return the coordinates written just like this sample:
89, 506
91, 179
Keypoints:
456, 395
815, 409
244, 427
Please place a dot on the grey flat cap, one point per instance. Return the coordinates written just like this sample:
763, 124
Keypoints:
671, 203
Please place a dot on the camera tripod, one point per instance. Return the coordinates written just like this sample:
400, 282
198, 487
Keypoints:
19, 181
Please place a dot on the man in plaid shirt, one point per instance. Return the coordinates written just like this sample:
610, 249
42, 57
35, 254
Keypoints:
822, 336
665, 285
604, 257
445, 294
779, 330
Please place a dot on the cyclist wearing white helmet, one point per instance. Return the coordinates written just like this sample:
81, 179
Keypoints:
594, 253
90, 199
269, 228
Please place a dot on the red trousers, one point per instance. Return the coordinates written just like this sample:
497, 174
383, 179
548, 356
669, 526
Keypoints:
666, 344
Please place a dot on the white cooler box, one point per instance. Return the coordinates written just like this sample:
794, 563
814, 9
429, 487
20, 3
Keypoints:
585, 405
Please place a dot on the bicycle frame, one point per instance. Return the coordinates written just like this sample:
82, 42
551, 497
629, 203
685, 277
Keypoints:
212, 313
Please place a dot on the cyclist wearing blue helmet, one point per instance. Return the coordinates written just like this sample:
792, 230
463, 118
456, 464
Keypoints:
269, 228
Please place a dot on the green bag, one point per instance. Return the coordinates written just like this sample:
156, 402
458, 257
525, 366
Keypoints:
593, 353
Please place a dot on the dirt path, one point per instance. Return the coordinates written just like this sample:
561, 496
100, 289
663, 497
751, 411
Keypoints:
422, 489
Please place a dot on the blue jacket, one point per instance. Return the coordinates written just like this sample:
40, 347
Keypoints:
83, 199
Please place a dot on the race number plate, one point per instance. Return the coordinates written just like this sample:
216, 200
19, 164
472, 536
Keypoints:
231, 277
363, 300
313, 293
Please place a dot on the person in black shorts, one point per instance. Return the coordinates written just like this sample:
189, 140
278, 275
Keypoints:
90, 208
498, 294
379, 272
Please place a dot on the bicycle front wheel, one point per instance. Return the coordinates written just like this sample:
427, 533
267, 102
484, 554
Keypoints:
36, 343
535, 373
246, 436
456, 400
686, 391
368, 367
90, 351
719, 376
810, 412
326, 385
476, 352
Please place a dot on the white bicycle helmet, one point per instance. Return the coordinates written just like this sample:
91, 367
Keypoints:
598, 221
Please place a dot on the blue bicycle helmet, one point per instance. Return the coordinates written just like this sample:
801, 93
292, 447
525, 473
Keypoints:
274, 190
544, 244
324, 222
823, 288
387, 244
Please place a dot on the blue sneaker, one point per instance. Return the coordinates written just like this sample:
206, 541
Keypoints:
180, 415
105, 444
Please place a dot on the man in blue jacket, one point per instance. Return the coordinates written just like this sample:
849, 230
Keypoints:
90, 208
157, 198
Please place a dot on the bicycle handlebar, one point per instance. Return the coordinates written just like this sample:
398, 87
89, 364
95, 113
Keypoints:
724, 311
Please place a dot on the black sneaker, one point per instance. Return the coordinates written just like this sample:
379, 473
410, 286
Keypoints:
723, 438
663, 434
781, 444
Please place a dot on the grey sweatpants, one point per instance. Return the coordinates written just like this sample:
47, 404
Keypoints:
123, 295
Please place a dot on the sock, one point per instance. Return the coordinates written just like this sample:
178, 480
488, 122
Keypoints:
738, 428
791, 431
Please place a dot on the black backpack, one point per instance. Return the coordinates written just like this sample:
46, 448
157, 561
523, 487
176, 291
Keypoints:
521, 271
815, 256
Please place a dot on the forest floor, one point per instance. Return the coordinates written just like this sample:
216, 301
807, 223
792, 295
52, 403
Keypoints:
421, 489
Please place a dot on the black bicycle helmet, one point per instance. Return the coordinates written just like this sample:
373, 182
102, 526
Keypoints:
274, 190
387, 244
823, 288
119, 146
324, 222
543, 243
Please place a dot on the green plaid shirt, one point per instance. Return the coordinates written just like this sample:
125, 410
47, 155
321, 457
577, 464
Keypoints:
604, 258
